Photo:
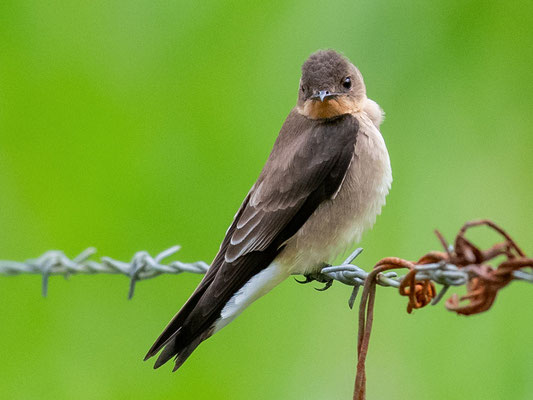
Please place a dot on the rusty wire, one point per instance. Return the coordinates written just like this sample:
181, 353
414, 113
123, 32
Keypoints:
483, 282
461, 264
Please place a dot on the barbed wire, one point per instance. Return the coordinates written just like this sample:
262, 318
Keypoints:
143, 266
461, 264
442, 273
464, 263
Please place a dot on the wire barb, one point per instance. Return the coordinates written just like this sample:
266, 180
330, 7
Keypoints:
434, 266
142, 266
461, 264
458, 265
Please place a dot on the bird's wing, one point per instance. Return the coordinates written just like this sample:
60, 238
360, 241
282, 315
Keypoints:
306, 167
303, 170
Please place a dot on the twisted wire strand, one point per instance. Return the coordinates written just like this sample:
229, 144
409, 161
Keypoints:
143, 266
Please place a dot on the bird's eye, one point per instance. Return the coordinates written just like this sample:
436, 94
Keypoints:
347, 83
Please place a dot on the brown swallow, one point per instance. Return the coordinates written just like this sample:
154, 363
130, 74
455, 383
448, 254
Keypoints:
323, 184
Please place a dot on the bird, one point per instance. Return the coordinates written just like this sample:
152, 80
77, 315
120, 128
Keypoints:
323, 184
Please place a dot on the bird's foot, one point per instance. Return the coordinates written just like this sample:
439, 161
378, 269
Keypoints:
319, 277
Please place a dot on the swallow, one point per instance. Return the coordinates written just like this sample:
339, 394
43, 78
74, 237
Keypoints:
323, 184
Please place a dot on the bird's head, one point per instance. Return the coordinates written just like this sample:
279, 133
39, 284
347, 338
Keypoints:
330, 86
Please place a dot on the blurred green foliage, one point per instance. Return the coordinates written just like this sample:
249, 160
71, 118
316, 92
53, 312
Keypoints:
133, 125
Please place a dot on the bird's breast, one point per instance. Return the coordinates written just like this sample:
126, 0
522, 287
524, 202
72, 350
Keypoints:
340, 222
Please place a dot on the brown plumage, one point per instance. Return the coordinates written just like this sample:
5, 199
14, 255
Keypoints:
312, 169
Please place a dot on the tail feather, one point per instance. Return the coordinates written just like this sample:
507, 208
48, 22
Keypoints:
169, 338
178, 347
183, 354
168, 352
201, 315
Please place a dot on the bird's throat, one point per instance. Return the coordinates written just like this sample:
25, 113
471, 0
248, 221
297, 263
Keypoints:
329, 108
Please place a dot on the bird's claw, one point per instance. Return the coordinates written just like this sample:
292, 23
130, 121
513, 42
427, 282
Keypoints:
319, 277
308, 279
327, 285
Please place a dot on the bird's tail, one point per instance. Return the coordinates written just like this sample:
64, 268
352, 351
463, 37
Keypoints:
180, 349
206, 312
174, 338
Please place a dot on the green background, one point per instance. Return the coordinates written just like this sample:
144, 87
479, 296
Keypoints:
136, 125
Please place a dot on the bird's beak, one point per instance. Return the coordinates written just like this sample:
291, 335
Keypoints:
323, 94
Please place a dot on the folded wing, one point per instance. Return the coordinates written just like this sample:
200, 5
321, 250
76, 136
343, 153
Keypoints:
305, 168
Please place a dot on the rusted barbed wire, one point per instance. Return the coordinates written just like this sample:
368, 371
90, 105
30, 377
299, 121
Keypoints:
461, 264
468, 261
435, 268
144, 266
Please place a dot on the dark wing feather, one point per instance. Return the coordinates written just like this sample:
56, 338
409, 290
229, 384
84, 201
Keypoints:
298, 166
306, 167
175, 324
